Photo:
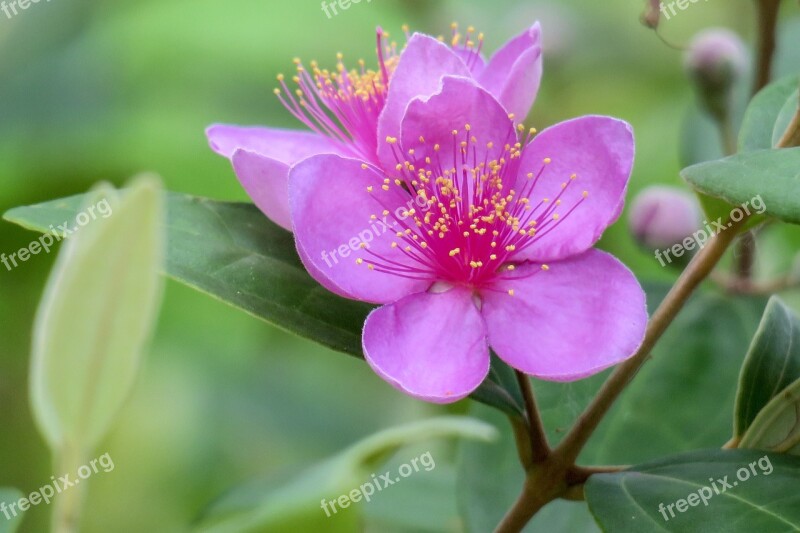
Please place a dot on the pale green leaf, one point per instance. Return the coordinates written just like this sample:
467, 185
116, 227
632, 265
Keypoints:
96, 315
777, 426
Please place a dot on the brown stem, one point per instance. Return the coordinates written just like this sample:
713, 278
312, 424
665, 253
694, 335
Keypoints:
697, 270
523, 441
767, 24
540, 449
542, 485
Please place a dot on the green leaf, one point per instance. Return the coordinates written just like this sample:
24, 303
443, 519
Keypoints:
96, 315
762, 114
771, 175
295, 501
788, 112
777, 426
10, 522
762, 496
771, 365
233, 253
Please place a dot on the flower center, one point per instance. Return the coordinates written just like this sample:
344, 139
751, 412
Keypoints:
465, 221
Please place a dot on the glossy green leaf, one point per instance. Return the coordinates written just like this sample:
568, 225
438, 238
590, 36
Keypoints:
762, 495
772, 175
788, 112
762, 114
96, 315
232, 252
295, 501
771, 365
10, 519
777, 426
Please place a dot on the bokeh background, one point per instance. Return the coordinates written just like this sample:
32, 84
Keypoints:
95, 91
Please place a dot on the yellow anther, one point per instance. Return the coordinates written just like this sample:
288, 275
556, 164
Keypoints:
511, 292
545, 267
547, 160
369, 188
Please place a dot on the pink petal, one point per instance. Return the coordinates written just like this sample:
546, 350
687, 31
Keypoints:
581, 316
599, 151
285, 146
331, 211
430, 346
459, 102
514, 72
266, 182
419, 73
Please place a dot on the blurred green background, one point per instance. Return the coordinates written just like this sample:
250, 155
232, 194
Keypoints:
103, 90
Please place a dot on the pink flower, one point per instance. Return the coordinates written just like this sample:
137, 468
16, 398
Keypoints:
347, 111
476, 237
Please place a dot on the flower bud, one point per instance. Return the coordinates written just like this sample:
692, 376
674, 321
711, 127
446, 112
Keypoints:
716, 60
662, 216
